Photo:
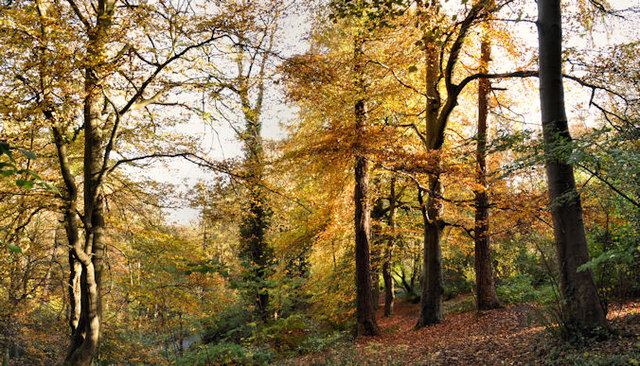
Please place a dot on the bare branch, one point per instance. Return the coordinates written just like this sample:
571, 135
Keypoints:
79, 14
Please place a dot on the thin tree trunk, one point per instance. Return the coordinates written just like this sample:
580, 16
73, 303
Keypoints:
70, 196
378, 247
389, 295
375, 283
366, 321
437, 114
84, 269
87, 333
486, 295
582, 310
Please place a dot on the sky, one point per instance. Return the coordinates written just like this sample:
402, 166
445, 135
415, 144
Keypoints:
219, 140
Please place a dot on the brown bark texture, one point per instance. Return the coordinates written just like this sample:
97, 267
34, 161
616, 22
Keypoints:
366, 321
85, 263
581, 307
432, 288
486, 295
431, 284
387, 276
86, 332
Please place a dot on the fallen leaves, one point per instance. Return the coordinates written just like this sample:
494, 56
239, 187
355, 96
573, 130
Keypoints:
507, 336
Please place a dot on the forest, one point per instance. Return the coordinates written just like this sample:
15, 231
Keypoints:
319, 182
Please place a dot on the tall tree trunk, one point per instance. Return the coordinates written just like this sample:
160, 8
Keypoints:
582, 310
366, 321
431, 284
437, 115
86, 335
389, 295
255, 248
486, 294
253, 230
69, 191
85, 263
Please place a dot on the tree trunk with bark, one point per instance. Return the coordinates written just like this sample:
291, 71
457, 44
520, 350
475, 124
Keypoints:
378, 246
86, 333
389, 295
85, 262
375, 277
431, 284
366, 321
486, 295
432, 287
581, 310
255, 249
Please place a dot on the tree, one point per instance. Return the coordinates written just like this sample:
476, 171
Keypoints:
253, 48
436, 119
102, 127
442, 40
486, 295
365, 312
442, 45
581, 307
332, 74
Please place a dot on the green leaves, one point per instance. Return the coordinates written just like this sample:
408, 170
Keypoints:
207, 266
5, 149
619, 255
26, 184
28, 154
7, 169
28, 179
375, 13
13, 248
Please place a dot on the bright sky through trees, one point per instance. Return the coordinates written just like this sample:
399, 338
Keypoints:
221, 142
218, 138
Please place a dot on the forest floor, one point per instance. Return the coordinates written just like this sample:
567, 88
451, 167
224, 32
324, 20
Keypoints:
514, 335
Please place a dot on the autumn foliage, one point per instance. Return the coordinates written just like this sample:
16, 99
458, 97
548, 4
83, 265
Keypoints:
206, 182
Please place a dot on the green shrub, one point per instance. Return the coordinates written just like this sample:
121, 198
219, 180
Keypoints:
228, 354
231, 325
521, 288
615, 261
286, 335
298, 334
456, 282
458, 275
321, 342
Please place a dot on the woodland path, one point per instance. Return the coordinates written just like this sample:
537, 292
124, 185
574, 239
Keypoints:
508, 336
